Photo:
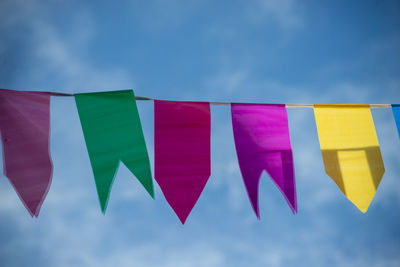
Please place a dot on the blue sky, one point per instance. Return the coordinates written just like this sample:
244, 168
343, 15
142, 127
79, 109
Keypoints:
268, 51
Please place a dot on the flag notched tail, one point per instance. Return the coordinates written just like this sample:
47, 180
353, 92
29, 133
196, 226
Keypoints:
113, 133
262, 141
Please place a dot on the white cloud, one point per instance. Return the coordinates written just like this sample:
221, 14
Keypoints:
60, 58
72, 70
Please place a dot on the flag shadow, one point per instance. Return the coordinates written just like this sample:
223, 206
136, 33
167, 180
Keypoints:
334, 169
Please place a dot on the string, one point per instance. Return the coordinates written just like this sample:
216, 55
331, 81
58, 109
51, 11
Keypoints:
140, 98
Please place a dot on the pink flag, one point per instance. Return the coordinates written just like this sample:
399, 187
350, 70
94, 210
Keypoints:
182, 152
25, 130
262, 142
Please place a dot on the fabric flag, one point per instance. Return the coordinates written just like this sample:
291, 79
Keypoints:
25, 134
350, 150
182, 152
113, 133
262, 141
396, 114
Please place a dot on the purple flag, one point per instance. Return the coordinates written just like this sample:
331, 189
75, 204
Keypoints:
182, 152
262, 142
25, 130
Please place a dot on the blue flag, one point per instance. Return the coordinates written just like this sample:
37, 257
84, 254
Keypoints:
396, 114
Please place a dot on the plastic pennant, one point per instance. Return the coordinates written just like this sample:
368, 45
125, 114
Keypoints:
182, 152
25, 134
262, 141
113, 133
350, 150
396, 114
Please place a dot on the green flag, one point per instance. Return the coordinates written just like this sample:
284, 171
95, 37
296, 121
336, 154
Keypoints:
113, 133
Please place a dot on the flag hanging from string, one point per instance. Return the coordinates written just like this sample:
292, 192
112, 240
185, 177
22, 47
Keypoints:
350, 150
25, 134
182, 147
262, 142
396, 114
113, 133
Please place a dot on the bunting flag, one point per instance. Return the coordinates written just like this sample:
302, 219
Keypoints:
262, 141
112, 130
396, 114
182, 152
113, 133
350, 150
25, 131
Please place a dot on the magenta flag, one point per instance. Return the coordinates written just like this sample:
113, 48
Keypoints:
182, 152
25, 131
262, 142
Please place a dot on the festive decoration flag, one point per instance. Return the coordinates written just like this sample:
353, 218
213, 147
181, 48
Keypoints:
182, 152
262, 142
350, 150
396, 114
25, 131
113, 133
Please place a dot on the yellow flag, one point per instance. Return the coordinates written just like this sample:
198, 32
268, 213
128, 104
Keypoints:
350, 150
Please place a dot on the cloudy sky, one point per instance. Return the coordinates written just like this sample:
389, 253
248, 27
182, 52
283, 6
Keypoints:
267, 51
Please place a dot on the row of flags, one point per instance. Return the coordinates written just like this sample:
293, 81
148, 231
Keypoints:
182, 140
